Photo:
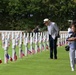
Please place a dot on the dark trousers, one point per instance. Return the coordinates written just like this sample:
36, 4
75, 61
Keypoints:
53, 47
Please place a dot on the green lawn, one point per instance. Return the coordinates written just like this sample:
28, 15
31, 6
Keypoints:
75, 0
39, 64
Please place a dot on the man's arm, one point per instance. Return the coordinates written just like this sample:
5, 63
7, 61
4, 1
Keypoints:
56, 28
71, 39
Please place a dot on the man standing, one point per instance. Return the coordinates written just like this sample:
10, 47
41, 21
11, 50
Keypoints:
36, 30
53, 32
72, 45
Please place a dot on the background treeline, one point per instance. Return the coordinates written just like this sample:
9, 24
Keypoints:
27, 14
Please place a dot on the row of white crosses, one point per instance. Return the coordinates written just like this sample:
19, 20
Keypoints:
35, 40
62, 40
6, 39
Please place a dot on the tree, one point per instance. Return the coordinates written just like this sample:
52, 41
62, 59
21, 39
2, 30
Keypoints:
24, 14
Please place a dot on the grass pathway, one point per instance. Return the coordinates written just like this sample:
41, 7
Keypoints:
39, 64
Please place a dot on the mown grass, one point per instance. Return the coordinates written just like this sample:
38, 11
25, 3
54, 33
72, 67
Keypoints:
75, 0
39, 64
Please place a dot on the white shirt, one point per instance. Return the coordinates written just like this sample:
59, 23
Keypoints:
69, 30
53, 29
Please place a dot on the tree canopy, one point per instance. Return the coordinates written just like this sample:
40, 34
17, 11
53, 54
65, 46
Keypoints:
26, 14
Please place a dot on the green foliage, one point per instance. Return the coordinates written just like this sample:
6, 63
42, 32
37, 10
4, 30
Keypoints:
24, 14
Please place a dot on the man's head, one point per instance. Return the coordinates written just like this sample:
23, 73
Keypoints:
73, 26
46, 21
